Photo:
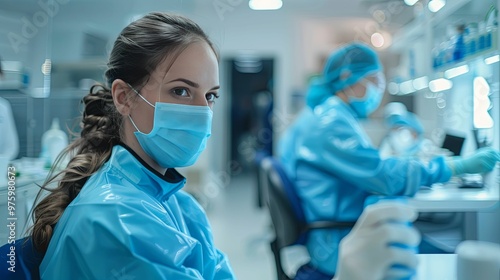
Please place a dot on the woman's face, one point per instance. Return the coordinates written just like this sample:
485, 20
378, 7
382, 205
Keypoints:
192, 79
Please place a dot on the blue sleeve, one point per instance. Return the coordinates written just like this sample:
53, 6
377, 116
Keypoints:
109, 241
338, 147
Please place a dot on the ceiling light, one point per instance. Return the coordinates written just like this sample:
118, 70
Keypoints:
492, 59
440, 85
406, 87
393, 88
410, 2
436, 5
456, 71
265, 4
377, 40
421, 83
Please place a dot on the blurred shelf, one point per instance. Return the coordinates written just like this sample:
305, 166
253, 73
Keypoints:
82, 65
468, 60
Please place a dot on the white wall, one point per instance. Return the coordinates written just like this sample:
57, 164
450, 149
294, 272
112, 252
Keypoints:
233, 27
9, 23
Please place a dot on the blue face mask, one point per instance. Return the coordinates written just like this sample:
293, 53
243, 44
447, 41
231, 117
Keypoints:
179, 133
369, 103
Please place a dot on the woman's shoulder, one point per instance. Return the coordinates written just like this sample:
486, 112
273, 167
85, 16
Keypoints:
106, 187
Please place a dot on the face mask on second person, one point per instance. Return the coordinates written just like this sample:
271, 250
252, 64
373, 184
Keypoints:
179, 141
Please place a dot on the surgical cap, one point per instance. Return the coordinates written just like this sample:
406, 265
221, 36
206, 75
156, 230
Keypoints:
408, 120
354, 61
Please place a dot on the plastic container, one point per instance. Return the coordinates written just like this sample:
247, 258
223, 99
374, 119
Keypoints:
54, 141
459, 44
481, 42
470, 38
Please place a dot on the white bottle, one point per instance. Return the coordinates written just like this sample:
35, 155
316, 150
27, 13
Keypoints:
54, 141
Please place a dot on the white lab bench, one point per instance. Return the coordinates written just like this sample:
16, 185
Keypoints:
480, 205
26, 190
450, 198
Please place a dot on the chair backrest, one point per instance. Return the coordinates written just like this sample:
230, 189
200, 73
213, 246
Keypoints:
22, 263
283, 204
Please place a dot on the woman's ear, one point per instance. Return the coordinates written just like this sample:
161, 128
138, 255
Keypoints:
120, 92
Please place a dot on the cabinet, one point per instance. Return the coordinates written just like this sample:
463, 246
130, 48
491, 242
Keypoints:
470, 107
457, 44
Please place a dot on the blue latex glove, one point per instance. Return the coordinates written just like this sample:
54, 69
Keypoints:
484, 160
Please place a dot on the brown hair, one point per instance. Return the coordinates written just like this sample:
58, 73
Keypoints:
137, 51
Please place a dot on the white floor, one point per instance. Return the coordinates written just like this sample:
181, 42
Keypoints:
242, 230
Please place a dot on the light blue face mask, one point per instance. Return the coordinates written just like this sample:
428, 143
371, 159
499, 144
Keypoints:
369, 103
179, 133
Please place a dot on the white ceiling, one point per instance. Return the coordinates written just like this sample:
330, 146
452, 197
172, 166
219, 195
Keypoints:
333, 8
339, 13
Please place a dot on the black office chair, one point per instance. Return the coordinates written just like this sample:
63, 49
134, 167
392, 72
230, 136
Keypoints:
289, 222
24, 257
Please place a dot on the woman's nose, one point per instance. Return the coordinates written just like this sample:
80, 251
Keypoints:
200, 100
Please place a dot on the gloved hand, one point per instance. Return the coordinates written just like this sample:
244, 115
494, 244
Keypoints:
482, 161
379, 245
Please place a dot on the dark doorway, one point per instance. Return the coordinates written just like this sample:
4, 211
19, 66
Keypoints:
251, 84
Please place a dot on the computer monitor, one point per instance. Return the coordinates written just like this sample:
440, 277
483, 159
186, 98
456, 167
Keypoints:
453, 143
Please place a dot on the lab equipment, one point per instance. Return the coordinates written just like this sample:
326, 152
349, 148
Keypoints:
54, 141
453, 143
478, 260
472, 181
364, 253
179, 141
13, 76
482, 161
133, 222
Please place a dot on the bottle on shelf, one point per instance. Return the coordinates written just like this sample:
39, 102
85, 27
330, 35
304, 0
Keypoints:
470, 39
54, 141
459, 44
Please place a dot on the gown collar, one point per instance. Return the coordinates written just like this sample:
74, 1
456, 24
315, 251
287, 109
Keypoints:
137, 171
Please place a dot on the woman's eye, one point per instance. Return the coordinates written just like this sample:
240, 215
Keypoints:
180, 91
211, 97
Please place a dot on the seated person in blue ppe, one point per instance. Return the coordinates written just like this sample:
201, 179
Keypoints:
117, 210
333, 163
406, 134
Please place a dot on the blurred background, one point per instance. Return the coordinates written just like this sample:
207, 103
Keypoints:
440, 58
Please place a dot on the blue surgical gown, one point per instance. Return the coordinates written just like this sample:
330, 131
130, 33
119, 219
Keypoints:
335, 168
131, 222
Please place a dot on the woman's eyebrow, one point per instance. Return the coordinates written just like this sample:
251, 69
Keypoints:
190, 83
186, 81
